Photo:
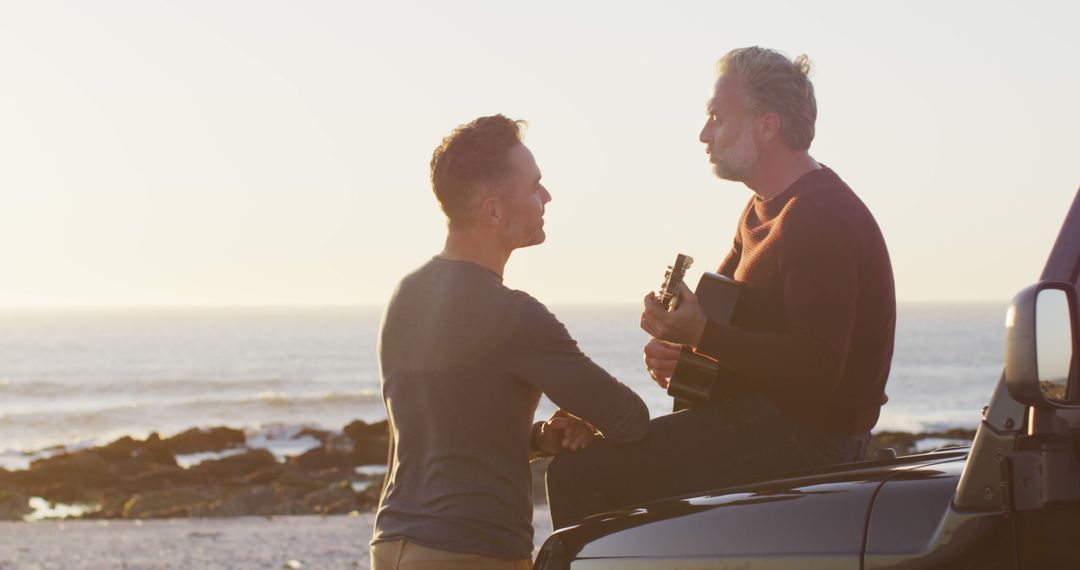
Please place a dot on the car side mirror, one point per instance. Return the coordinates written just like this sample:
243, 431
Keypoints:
1042, 346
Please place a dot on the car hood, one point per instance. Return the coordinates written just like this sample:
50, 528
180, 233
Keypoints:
818, 512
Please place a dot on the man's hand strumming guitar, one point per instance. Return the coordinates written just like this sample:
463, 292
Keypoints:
661, 357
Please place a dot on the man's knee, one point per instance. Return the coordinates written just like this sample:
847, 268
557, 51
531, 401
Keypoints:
575, 476
571, 489
561, 473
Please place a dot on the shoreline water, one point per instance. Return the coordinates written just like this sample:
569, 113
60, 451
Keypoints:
89, 378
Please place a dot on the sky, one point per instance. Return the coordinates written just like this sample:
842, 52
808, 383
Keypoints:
275, 153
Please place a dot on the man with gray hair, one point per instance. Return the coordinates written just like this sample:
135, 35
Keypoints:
810, 343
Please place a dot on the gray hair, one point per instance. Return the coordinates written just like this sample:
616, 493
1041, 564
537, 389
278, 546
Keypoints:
772, 83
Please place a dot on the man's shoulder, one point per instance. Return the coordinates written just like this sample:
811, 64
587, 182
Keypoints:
533, 320
440, 292
824, 188
439, 275
529, 307
826, 201
468, 291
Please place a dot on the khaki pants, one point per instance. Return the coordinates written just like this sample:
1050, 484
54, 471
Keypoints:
401, 554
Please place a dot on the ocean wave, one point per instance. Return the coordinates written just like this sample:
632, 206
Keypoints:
285, 399
268, 399
164, 387
39, 430
34, 388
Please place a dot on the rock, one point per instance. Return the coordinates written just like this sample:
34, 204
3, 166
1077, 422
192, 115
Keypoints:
232, 466
371, 443
335, 474
372, 451
157, 477
320, 434
298, 481
369, 498
169, 503
358, 430
154, 454
197, 440
119, 450
321, 458
338, 498
145, 458
355, 429
268, 475
77, 471
13, 505
257, 500
112, 505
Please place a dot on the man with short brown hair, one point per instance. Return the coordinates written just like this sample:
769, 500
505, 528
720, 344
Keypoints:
810, 342
464, 360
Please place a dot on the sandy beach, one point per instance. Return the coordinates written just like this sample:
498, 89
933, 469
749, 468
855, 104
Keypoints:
310, 542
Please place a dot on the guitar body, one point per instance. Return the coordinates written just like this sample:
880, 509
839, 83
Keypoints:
696, 375
693, 381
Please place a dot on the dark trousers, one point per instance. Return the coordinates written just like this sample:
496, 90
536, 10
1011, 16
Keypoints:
696, 450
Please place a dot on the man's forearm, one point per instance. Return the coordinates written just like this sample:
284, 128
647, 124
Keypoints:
787, 362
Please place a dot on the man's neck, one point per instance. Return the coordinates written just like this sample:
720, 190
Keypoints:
774, 175
466, 245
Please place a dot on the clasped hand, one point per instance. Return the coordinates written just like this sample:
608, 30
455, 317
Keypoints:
564, 431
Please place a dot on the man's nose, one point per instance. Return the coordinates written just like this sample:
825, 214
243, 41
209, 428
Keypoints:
545, 196
706, 133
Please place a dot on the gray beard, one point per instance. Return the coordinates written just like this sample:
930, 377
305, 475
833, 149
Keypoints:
736, 163
724, 172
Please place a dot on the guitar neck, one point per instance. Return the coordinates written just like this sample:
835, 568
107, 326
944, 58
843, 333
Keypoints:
669, 289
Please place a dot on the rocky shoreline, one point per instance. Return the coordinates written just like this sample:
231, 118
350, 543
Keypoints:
219, 474
138, 479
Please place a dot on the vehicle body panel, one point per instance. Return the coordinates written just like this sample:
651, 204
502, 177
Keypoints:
914, 524
816, 517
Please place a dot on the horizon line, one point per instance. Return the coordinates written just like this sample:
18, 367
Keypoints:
328, 306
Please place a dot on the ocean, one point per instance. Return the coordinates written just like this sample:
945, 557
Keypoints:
85, 377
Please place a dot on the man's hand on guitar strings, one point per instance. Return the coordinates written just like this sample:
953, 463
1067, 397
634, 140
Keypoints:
660, 360
685, 324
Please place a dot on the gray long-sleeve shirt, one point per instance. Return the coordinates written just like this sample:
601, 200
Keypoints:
464, 360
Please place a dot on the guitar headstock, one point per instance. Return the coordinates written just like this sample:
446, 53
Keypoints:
674, 276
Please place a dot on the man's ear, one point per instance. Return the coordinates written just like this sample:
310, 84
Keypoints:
768, 126
492, 209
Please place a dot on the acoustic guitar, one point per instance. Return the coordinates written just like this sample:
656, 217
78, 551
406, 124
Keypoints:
696, 375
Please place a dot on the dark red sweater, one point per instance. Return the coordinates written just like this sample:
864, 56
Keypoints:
813, 328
